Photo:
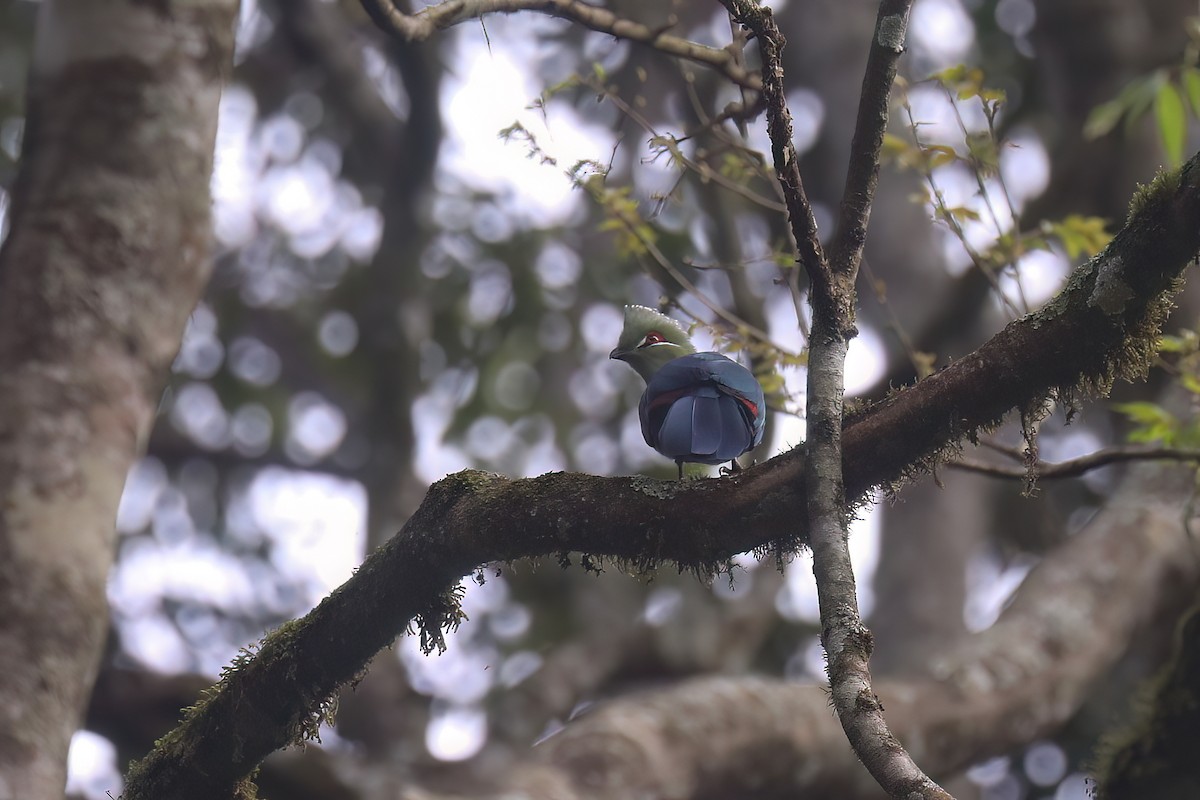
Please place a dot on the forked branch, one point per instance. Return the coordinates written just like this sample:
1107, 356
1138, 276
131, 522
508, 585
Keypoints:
847, 641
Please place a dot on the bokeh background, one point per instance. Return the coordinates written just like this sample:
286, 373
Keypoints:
402, 292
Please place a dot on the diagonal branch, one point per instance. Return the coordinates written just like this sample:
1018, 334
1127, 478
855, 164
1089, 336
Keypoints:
1102, 326
428, 21
779, 127
862, 174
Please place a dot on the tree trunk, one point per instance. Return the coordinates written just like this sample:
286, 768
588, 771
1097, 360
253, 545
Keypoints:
107, 255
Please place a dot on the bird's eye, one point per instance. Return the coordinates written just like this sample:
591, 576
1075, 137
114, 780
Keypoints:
653, 337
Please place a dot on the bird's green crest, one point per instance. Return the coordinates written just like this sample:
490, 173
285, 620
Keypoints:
646, 353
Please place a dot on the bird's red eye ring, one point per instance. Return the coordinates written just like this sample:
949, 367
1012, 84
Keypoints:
653, 337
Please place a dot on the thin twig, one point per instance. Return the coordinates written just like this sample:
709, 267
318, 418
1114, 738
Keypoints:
862, 174
1048, 471
737, 322
943, 212
423, 24
671, 146
1015, 453
921, 363
977, 168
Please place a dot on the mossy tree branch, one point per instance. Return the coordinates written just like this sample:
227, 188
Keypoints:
1102, 326
1022, 679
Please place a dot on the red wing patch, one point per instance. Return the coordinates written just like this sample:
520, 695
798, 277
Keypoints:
667, 398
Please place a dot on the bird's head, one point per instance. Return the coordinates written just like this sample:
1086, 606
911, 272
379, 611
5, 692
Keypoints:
649, 340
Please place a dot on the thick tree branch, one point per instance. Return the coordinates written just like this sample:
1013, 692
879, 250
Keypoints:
1101, 327
428, 21
1025, 677
1080, 340
106, 257
1132, 568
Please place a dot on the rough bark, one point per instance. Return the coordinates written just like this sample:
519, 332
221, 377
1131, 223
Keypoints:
106, 257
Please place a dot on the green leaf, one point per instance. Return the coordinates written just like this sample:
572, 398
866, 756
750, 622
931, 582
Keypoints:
964, 81
1080, 235
938, 155
1154, 423
1171, 344
984, 152
1139, 95
1172, 121
1186, 342
1190, 382
1191, 85
1143, 412
1103, 118
963, 214
1130, 105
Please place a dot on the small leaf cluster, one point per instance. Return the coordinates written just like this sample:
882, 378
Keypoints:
1173, 93
980, 153
1154, 424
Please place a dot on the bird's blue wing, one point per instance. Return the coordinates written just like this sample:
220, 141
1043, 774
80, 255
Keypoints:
735, 380
702, 407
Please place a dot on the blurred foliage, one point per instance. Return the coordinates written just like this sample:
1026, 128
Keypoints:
1173, 93
1152, 422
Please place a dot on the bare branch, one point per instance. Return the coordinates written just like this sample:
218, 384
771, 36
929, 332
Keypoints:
779, 126
1047, 471
862, 175
423, 24
847, 641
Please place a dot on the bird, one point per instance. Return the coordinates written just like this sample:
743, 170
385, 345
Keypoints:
700, 408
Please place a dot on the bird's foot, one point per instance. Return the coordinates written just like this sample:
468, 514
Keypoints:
733, 468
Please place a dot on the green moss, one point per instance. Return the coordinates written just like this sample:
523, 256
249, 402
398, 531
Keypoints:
1148, 196
1154, 756
444, 613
